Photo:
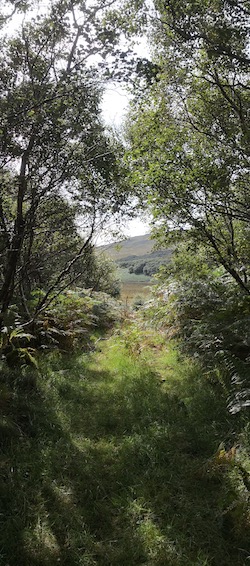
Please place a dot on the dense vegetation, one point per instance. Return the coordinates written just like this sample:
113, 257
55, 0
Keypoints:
138, 254
124, 433
125, 456
61, 174
147, 264
189, 135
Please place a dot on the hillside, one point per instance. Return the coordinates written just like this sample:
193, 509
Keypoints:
137, 262
138, 255
136, 246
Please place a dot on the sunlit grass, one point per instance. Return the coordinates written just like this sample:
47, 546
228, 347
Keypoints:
111, 459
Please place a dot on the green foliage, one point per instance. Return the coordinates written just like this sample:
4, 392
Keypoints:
137, 302
210, 317
59, 166
189, 133
102, 276
121, 458
15, 347
126, 276
189, 159
148, 264
70, 322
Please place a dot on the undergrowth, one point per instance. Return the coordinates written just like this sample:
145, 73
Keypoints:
121, 457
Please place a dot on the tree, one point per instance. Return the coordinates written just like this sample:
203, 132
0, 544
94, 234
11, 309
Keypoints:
54, 147
190, 133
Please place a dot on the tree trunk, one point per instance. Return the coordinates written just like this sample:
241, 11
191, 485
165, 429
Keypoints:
15, 246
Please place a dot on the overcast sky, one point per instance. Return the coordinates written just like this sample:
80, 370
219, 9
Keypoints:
114, 107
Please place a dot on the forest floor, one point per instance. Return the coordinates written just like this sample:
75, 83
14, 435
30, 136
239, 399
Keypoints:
115, 458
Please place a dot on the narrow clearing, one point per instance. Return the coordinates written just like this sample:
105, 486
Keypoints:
112, 459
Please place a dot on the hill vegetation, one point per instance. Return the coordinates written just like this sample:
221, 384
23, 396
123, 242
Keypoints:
135, 246
138, 256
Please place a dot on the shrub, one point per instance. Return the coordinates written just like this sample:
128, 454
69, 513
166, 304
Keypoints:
210, 317
68, 324
75, 315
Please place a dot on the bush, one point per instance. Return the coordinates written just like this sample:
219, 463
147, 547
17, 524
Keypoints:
138, 302
74, 317
211, 320
66, 325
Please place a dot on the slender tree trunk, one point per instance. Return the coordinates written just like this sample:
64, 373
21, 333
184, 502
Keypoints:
15, 245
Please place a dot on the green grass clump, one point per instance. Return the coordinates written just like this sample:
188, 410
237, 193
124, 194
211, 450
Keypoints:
115, 458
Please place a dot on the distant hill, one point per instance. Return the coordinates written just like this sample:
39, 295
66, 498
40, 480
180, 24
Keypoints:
137, 256
136, 246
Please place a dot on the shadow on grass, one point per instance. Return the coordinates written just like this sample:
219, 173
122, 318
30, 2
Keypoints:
109, 469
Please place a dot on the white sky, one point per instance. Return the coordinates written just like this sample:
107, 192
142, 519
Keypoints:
114, 107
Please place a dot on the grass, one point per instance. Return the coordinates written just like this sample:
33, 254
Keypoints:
133, 291
133, 286
112, 459
126, 277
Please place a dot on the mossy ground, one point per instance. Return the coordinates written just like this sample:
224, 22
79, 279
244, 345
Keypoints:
114, 458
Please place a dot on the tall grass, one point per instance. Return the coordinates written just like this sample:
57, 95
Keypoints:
120, 457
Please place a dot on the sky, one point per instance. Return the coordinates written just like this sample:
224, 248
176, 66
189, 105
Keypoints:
114, 105
114, 108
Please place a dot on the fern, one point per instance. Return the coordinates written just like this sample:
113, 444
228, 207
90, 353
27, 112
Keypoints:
212, 321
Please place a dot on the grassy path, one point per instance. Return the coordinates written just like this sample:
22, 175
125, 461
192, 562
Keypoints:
111, 461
